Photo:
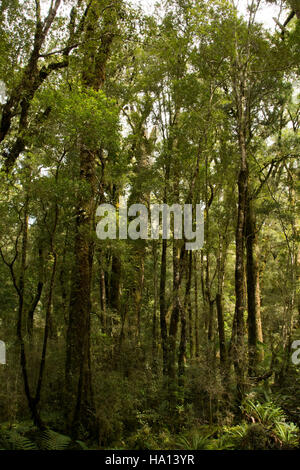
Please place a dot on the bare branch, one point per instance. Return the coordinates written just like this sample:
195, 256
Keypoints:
60, 51
50, 17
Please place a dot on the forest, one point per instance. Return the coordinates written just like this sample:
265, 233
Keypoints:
140, 343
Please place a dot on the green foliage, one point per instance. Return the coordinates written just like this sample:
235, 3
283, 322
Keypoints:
288, 434
25, 437
268, 414
236, 433
51, 440
17, 437
194, 441
14, 441
268, 429
150, 107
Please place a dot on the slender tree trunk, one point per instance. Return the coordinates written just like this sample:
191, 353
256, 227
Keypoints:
155, 306
189, 304
253, 293
162, 305
21, 292
139, 294
47, 330
115, 283
221, 331
182, 346
186, 308
102, 298
178, 256
197, 320
219, 306
239, 283
39, 290
239, 327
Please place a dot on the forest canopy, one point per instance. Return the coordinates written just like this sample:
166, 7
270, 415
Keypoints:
141, 343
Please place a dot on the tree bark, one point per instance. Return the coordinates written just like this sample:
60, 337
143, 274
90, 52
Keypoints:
79, 392
239, 327
253, 293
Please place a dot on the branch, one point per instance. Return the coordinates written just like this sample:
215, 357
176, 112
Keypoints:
59, 51
38, 11
274, 162
50, 17
282, 27
10, 265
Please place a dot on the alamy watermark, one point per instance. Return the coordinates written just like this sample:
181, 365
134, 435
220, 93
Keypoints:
3, 92
296, 354
2, 353
133, 222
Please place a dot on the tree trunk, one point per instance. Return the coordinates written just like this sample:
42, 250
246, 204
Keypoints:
239, 356
253, 293
189, 304
197, 320
155, 306
78, 373
79, 392
21, 293
162, 305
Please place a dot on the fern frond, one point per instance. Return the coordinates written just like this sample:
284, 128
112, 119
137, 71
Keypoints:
51, 440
